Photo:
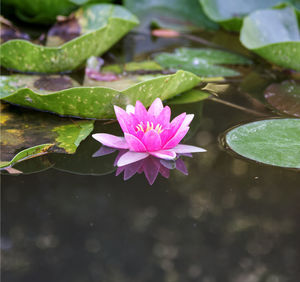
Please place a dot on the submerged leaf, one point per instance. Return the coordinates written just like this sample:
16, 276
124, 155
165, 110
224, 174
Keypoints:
274, 141
175, 14
285, 97
203, 62
100, 26
274, 35
27, 129
92, 102
230, 14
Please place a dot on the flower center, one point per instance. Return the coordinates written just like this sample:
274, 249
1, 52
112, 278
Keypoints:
149, 126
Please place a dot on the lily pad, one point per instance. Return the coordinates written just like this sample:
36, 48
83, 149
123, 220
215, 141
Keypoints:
43, 11
100, 26
28, 134
274, 35
275, 141
203, 62
285, 97
175, 14
229, 14
92, 102
190, 96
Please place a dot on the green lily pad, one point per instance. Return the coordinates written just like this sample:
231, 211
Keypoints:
285, 97
43, 11
190, 96
274, 141
175, 14
274, 35
92, 102
26, 134
100, 26
203, 62
40, 11
229, 14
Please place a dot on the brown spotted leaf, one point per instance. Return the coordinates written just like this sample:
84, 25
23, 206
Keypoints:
285, 97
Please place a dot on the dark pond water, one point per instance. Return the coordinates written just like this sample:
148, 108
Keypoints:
69, 218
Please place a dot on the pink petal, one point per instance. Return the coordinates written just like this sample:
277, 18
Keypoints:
103, 151
152, 140
176, 139
130, 109
169, 164
134, 143
140, 112
183, 149
188, 119
120, 154
150, 170
131, 157
120, 170
164, 172
132, 169
164, 117
180, 165
111, 140
156, 108
175, 124
122, 118
164, 154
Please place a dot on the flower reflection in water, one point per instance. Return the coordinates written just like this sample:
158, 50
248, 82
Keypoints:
151, 166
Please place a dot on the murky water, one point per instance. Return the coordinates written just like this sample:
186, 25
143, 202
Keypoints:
228, 220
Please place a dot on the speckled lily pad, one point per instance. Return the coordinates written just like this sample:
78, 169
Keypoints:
92, 102
273, 34
229, 13
99, 27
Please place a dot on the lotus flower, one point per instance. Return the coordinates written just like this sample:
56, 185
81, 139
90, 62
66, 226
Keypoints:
149, 133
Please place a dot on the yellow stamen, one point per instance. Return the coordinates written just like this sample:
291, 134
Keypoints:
150, 126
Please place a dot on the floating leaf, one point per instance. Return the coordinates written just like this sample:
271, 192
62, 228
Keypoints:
285, 97
74, 163
44, 11
40, 11
229, 14
203, 62
274, 35
274, 141
175, 14
101, 25
190, 96
27, 129
26, 154
92, 102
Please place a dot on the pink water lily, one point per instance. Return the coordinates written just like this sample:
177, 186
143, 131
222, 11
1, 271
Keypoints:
149, 133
